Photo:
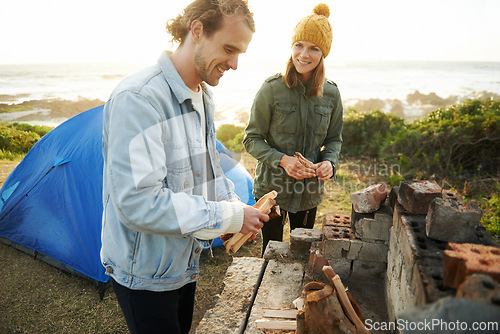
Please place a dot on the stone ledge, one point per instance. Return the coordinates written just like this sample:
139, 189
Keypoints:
229, 315
281, 285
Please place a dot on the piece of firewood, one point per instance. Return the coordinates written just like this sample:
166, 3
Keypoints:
264, 204
276, 324
344, 299
304, 161
279, 313
301, 323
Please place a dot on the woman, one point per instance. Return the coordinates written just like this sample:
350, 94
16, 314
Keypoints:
299, 111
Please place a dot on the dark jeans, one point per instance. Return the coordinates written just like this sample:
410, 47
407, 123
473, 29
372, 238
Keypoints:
169, 312
273, 229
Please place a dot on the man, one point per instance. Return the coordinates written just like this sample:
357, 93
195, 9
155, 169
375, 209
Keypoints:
165, 195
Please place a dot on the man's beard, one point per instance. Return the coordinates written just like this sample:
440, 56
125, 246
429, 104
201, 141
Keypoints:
202, 69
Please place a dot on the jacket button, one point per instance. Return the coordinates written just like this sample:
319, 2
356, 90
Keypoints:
186, 184
197, 174
110, 270
193, 277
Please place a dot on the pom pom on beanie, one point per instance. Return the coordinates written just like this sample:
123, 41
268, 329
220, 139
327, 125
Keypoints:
322, 9
316, 29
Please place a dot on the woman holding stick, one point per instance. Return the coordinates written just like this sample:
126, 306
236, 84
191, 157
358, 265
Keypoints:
299, 111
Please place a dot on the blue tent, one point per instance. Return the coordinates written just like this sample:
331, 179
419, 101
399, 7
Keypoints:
51, 204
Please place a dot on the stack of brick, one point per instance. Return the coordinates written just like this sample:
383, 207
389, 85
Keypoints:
414, 267
358, 245
425, 219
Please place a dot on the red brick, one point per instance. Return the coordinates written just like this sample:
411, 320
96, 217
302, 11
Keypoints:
369, 199
337, 219
416, 196
479, 287
462, 260
337, 232
317, 261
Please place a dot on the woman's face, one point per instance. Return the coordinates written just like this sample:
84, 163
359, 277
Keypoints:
306, 56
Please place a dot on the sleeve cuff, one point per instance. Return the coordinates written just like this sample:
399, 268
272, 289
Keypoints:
231, 221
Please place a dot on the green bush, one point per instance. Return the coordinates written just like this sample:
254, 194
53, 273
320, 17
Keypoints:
491, 214
459, 139
462, 139
231, 136
16, 139
365, 132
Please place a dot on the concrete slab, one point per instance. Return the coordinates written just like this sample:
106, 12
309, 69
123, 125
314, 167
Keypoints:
281, 285
231, 309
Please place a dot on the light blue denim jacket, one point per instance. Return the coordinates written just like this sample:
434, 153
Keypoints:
153, 177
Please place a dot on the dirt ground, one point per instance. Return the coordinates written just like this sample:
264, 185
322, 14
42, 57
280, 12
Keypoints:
6, 167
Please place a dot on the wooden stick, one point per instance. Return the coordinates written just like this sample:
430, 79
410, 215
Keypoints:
264, 204
279, 313
304, 161
344, 299
276, 324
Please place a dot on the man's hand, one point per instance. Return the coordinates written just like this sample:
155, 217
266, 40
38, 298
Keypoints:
324, 170
295, 169
253, 220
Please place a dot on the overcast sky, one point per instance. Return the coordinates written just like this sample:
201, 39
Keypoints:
34, 31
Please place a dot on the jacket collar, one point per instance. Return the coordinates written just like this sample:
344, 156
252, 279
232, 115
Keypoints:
175, 81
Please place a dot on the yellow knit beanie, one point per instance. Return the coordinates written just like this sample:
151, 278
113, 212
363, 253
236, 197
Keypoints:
316, 29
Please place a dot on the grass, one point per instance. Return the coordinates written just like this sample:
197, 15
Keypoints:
5, 108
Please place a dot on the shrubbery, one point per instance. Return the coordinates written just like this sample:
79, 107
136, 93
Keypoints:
16, 139
365, 133
463, 139
460, 139
231, 136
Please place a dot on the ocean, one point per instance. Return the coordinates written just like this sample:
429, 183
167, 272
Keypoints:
408, 88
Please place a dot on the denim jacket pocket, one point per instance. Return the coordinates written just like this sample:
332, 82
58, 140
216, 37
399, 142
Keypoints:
180, 179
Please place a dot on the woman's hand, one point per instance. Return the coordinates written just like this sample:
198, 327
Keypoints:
324, 170
295, 169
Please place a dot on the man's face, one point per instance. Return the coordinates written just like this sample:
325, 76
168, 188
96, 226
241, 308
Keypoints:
218, 53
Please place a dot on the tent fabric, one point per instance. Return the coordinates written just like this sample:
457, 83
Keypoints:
51, 204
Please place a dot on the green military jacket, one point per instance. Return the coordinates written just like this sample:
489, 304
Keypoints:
285, 121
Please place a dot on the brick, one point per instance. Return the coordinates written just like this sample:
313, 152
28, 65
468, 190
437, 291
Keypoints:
372, 229
336, 232
413, 234
393, 196
462, 260
317, 261
384, 214
451, 219
369, 199
337, 219
416, 196
300, 241
367, 251
430, 271
355, 216
336, 242
480, 287
399, 212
